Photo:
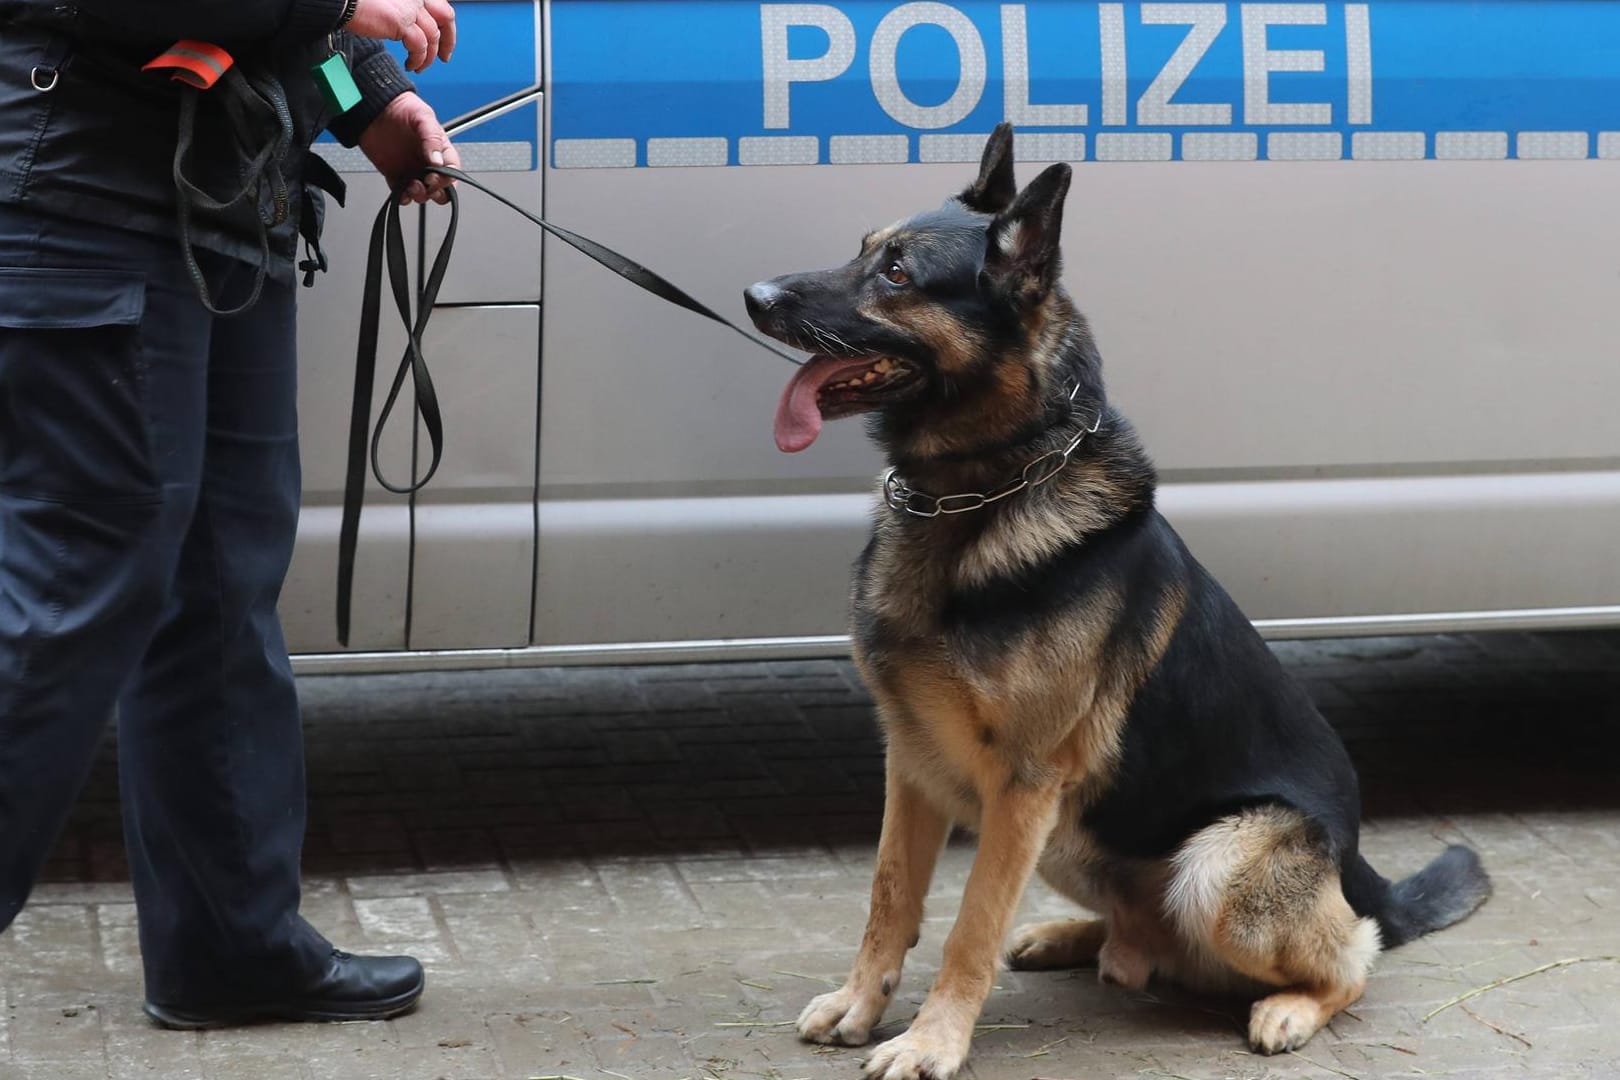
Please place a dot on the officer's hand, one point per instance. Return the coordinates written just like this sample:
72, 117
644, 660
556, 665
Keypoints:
405, 137
427, 28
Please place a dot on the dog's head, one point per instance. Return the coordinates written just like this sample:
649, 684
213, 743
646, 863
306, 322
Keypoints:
948, 325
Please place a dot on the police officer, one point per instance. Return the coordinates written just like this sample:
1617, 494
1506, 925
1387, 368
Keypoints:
149, 472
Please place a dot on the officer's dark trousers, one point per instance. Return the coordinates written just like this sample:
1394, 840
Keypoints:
149, 486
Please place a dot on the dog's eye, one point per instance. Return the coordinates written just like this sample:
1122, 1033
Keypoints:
896, 275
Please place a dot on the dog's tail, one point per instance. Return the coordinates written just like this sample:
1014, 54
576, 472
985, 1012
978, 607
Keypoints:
1446, 891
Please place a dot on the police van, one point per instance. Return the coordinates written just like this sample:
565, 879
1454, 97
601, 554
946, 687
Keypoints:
1354, 269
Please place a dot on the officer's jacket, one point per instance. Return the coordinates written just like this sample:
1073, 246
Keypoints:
85, 133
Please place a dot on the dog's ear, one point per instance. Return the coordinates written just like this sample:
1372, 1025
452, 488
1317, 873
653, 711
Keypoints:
1022, 257
993, 191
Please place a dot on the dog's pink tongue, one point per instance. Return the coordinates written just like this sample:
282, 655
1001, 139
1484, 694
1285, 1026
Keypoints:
798, 417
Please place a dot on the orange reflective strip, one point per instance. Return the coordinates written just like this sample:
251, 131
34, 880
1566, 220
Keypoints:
218, 55
195, 72
194, 62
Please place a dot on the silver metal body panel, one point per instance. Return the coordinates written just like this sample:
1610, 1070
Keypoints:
1272, 317
1357, 378
1381, 394
475, 524
452, 568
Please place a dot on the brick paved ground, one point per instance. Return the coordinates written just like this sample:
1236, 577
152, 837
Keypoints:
646, 872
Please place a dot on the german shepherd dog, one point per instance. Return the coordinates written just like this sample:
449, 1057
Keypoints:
1055, 671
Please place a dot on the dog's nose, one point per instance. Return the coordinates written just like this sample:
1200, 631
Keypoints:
761, 297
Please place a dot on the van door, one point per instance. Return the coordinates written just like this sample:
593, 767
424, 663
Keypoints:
452, 566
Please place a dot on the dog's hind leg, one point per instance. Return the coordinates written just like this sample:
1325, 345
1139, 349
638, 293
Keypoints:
1061, 943
1259, 894
913, 833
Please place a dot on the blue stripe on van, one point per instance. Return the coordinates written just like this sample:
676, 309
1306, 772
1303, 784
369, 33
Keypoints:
654, 82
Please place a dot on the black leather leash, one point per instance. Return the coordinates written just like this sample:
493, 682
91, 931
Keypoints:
388, 247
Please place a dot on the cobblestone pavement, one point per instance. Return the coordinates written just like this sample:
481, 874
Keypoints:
645, 873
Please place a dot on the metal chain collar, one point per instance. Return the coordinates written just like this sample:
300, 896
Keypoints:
902, 497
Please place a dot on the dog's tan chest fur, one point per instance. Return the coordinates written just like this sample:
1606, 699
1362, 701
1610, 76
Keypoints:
1046, 705
961, 729
943, 733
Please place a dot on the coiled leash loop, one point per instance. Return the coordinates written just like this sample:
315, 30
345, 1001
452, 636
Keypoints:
261, 127
388, 246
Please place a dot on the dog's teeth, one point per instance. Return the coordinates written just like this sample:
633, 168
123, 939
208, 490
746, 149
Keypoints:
884, 365
869, 376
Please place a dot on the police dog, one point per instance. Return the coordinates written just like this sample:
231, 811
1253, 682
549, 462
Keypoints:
1054, 671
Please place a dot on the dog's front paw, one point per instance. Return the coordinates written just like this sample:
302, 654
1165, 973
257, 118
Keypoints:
844, 1017
923, 1053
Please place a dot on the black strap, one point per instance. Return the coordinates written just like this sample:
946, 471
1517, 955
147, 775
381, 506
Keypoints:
629, 269
388, 244
262, 129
